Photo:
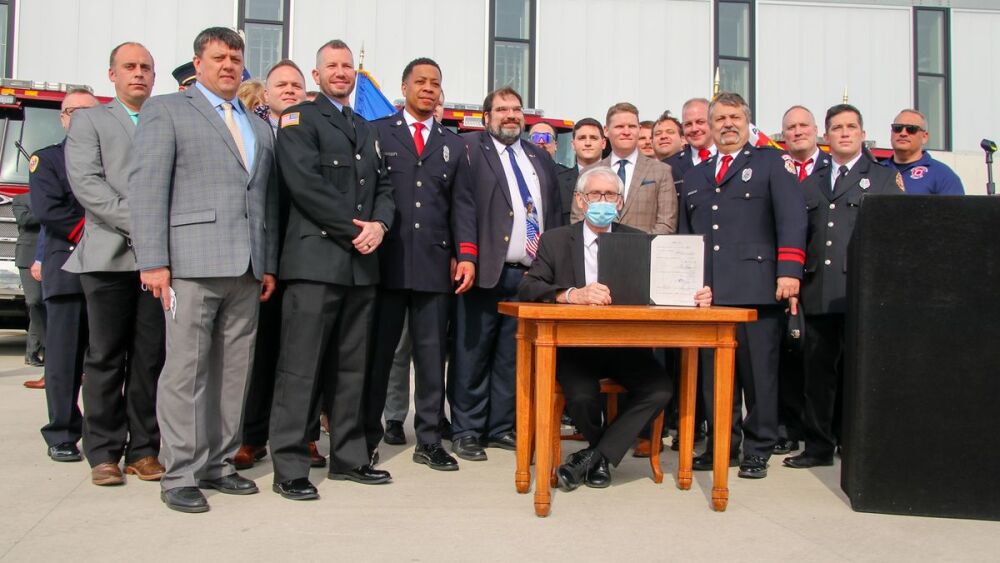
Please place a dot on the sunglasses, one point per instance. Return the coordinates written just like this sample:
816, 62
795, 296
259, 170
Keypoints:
911, 129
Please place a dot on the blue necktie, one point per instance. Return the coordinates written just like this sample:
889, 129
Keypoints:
621, 171
530, 212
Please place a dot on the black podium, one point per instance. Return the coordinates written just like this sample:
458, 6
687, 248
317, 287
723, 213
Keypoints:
922, 374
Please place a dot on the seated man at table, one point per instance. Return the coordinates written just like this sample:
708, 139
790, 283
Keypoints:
565, 271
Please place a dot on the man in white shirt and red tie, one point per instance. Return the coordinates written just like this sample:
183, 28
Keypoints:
701, 144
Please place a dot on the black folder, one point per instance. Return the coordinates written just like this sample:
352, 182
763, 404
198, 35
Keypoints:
623, 266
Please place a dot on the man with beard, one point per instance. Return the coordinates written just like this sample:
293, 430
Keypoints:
516, 197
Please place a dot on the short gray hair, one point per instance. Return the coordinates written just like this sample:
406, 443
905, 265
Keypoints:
606, 171
914, 112
731, 99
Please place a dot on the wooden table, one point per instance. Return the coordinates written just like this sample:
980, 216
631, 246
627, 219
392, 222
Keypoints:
541, 328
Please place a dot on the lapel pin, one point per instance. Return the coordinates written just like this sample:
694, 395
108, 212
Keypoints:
399, 122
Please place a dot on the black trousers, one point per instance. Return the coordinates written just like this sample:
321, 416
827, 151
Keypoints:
756, 381
325, 330
123, 363
67, 338
579, 371
824, 351
35, 344
790, 391
428, 324
481, 374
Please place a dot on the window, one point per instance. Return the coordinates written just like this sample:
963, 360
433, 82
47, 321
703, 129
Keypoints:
265, 23
512, 47
932, 68
6, 37
734, 47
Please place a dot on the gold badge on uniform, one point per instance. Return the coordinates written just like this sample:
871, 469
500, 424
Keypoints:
899, 182
790, 167
289, 119
33, 163
445, 153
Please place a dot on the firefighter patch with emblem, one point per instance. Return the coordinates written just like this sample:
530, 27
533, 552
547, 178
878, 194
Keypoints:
33, 163
917, 172
790, 167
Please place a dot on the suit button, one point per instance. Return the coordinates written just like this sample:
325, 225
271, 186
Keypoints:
715, 248
511, 213
746, 195
715, 208
717, 190
417, 204
833, 206
420, 163
416, 225
335, 163
829, 243
72, 247
830, 224
357, 156
362, 182
245, 216
506, 239
322, 233
359, 207
827, 262
715, 227
419, 183
445, 176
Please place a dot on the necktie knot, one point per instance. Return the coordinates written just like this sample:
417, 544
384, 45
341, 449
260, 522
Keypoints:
721, 174
418, 137
703, 154
418, 126
803, 168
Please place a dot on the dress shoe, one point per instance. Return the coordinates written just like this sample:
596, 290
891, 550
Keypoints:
444, 429
704, 462
232, 484
506, 441
65, 451
435, 457
599, 476
35, 383
805, 461
107, 474
34, 360
753, 467
468, 448
146, 469
366, 475
374, 458
574, 472
394, 434
784, 446
247, 455
315, 459
185, 499
296, 489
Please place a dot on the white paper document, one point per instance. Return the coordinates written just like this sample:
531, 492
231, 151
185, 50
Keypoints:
676, 269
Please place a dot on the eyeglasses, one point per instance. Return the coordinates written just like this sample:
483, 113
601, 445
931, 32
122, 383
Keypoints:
594, 197
911, 129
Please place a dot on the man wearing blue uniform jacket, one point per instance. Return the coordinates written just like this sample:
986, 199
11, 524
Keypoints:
922, 175
749, 206
62, 220
516, 194
833, 198
430, 249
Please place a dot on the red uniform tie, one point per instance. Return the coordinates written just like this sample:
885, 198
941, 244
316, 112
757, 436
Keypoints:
802, 168
703, 154
418, 137
726, 159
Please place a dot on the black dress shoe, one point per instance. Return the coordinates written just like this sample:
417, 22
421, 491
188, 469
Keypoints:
704, 462
65, 451
573, 473
366, 475
468, 448
434, 456
599, 476
444, 429
296, 489
753, 467
232, 484
185, 499
784, 446
394, 434
805, 461
505, 441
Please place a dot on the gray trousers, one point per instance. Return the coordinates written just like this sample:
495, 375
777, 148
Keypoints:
210, 348
397, 399
35, 344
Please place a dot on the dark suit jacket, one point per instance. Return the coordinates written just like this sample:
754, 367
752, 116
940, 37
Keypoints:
435, 216
333, 174
559, 263
27, 231
494, 211
824, 288
754, 223
57, 210
680, 163
567, 185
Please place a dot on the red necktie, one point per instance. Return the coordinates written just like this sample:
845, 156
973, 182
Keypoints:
723, 169
418, 137
703, 154
802, 168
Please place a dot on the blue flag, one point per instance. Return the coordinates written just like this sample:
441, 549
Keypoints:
369, 101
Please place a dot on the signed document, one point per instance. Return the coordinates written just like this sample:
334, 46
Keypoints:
676, 269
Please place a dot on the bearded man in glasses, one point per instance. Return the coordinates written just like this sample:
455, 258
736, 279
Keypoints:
922, 175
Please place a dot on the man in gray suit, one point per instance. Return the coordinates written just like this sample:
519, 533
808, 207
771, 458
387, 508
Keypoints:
203, 198
125, 351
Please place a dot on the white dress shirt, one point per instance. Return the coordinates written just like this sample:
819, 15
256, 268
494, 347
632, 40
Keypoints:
836, 169
590, 254
811, 160
694, 154
428, 123
630, 161
519, 232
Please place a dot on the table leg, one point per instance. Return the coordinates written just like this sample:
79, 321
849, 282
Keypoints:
545, 375
525, 411
685, 426
725, 357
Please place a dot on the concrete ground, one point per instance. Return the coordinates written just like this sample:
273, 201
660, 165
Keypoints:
51, 511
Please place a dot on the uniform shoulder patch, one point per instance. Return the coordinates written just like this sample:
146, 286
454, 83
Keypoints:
899, 182
289, 119
33, 163
790, 167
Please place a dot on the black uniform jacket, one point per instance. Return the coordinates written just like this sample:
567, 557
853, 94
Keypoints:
56, 208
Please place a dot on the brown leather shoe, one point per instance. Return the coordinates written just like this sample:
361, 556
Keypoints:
146, 469
107, 474
35, 383
247, 455
315, 459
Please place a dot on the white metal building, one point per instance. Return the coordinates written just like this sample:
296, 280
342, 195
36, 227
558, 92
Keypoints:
574, 58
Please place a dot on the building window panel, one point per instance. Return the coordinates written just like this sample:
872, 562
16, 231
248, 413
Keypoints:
931, 94
734, 47
6, 37
734, 29
271, 10
265, 25
932, 73
510, 67
734, 76
513, 19
512, 47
